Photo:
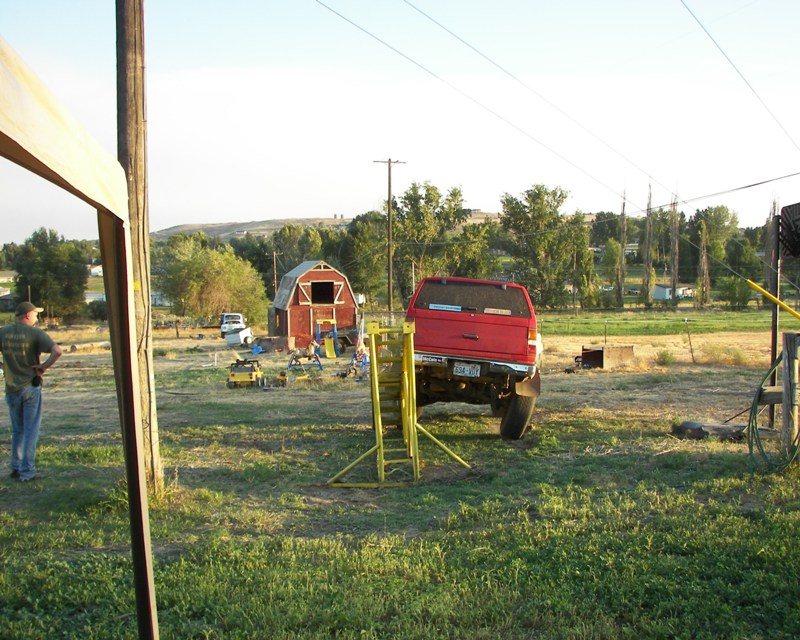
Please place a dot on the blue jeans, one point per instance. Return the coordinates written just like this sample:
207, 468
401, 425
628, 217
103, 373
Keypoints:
25, 408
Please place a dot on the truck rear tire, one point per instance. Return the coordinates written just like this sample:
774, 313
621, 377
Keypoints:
517, 418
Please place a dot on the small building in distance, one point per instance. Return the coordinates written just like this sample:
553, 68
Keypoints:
664, 292
310, 295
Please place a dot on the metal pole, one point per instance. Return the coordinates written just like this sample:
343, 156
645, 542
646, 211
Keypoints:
775, 264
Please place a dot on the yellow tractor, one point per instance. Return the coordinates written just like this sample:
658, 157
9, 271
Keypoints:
246, 373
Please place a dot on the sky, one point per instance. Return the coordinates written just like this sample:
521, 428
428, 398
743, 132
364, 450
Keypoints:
266, 109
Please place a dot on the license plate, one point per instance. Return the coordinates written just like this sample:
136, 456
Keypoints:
467, 369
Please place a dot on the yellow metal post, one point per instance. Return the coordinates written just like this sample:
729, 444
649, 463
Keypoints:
394, 394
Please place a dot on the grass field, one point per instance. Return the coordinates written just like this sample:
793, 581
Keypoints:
600, 523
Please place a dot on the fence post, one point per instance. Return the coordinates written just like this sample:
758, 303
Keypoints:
689, 335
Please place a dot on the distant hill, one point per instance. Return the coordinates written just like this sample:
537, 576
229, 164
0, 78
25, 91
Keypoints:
228, 230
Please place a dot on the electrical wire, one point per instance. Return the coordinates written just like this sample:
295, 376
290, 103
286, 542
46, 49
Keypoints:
741, 75
536, 93
475, 101
518, 128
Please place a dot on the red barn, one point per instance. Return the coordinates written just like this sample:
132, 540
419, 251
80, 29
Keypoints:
309, 294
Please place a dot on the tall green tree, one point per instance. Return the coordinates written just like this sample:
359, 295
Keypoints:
580, 267
260, 253
204, 282
363, 256
470, 253
422, 221
8, 255
537, 243
611, 269
740, 256
606, 225
54, 271
297, 243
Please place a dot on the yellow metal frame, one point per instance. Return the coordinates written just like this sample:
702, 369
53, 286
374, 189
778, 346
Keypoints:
394, 397
772, 298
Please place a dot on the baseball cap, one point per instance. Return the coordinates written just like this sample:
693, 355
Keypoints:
24, 308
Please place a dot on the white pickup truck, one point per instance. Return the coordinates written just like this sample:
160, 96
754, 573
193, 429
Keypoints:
231, 322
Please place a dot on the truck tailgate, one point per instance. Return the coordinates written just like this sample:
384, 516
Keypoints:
472, 335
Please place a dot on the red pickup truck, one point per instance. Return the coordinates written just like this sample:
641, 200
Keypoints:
476, 341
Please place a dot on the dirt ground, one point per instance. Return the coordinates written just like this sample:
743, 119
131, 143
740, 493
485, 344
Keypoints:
709, 380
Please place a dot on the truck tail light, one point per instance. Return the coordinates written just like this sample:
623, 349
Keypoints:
532, 340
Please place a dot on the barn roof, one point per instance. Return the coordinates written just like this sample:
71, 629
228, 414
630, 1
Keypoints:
289, 281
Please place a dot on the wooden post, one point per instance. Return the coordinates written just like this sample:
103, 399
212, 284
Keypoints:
689, 335
131, 153
791, 342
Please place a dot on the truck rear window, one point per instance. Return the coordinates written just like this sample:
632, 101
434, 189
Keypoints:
473, 297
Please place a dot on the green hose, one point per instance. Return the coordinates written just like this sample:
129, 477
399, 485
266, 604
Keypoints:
754, 438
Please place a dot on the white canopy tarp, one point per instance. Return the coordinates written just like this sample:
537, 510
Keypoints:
39, 135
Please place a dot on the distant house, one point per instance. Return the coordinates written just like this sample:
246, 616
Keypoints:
7, 276
96, 270
664, 291
8, 302
310, 294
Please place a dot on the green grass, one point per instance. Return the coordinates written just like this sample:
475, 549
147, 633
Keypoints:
658, 322
597, 525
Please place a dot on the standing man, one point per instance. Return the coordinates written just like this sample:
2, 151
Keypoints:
21, 344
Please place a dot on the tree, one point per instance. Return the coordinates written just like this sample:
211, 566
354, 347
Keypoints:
740, 256
260, 252
470, 254
8, 255
734, 292
580, 269
606, 225
363, 256
98, 310
422, 220
611, 266
296, 244
54, 272
540, 243
702, 294
205, 282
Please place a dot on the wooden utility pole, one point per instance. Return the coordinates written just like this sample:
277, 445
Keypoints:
274, 275
674, 248
648, 255
131, 153
621, 270
389, 247
704, 268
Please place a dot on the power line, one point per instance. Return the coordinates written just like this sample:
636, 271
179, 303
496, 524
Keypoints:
586, 129
473, 100
741, 75
534, 92
733, 190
